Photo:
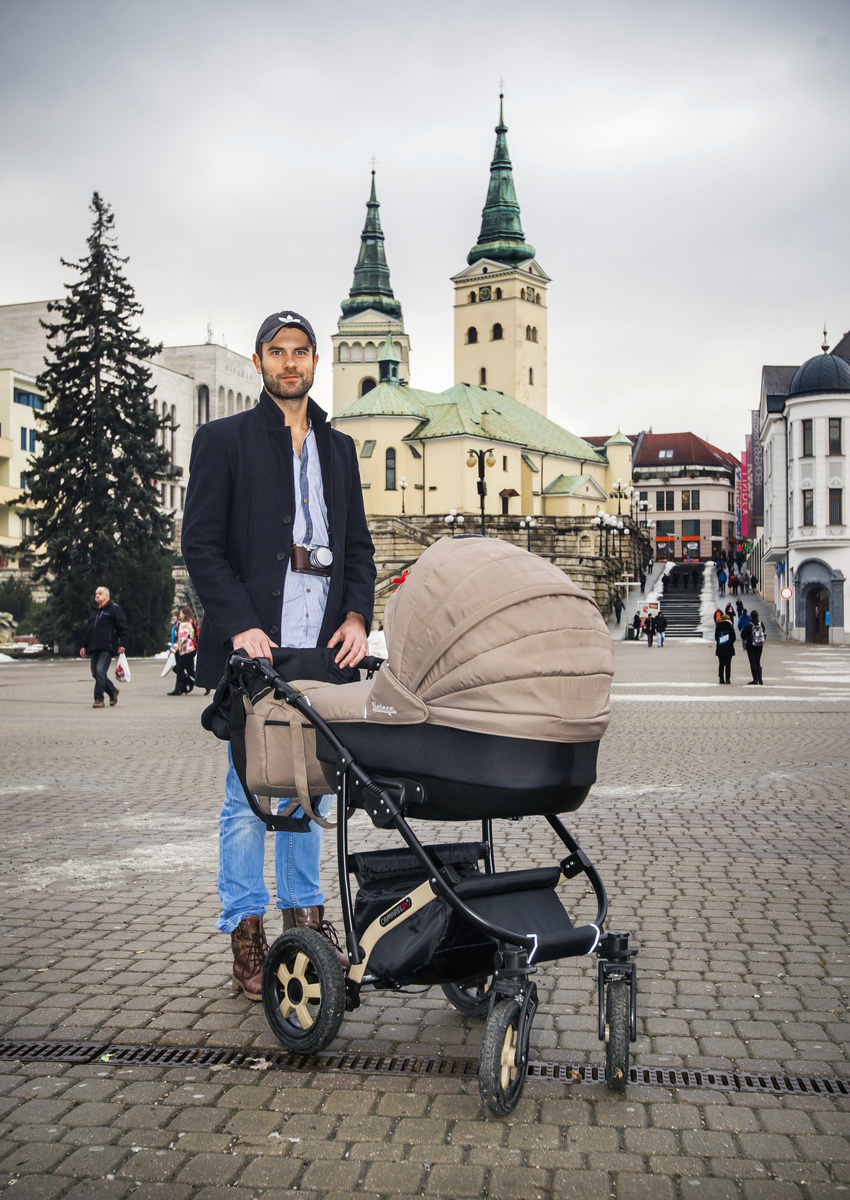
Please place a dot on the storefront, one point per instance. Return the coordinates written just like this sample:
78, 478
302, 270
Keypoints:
664, 547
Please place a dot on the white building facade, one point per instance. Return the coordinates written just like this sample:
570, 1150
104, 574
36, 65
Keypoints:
805, 423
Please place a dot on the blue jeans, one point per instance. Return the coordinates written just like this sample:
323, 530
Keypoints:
99, 661
241, 851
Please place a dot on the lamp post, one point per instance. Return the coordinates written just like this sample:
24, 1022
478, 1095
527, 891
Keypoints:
481, 457
452, 519
402, 483
528, 523
622, 492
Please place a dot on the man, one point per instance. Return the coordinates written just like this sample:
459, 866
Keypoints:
105, 635
263, 484
660, 626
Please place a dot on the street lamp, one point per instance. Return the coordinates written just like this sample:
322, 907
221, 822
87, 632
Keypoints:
402, 483
481, 457
454, 518
528, 523
622, 492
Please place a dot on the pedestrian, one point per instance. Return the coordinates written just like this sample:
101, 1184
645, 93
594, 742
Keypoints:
665, 583
753, 638
105, 636
636, 624
183, 645
649, 629
674, 577
660, 627
718, 615
745, 580
642, 578
264, 484
739, 606
733, 583
754, 581
685, 577
721, 579
724, 648
730, 612
743, 618
618, 608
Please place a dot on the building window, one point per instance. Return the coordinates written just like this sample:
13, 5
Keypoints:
690, 529
807, 438
390, 483
29, 399
531, 375
835, 435
643, 496
730, 501
23, 438
203, 404
498, 293
366, 386
534, 333
482, 376
690, 501
536, 297
472, 298
368, 448
497, 332
471, 335
808, 503
522, 293
504, 462
665, 453
664, 500
370, 354
356, 352
664, 528
344, 352
173, 432
835, 507
717, 529
32, 441
528, 333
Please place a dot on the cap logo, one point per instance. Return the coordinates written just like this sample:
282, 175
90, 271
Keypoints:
288, 317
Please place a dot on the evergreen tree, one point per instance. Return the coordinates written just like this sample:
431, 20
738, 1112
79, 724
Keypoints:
95, 478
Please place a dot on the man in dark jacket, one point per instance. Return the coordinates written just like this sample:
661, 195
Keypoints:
263, 484
106, 634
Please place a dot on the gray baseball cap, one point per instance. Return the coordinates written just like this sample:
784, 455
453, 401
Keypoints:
285, 319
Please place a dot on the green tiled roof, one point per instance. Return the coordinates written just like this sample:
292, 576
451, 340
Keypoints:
619, 439
384, 400
566, 485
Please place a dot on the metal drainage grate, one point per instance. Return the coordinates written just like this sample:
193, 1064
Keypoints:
398, 1064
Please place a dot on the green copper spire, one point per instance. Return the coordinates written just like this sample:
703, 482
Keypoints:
371, 287
501, 237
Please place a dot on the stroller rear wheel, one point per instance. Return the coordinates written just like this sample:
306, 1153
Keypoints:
617, 1005
503, 1063
472, 997
303, 991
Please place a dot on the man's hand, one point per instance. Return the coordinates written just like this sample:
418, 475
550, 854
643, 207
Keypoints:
352, 634
255, 642
82, 652
120, 649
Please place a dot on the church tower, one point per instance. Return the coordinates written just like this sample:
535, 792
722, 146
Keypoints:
370, 313
500, 298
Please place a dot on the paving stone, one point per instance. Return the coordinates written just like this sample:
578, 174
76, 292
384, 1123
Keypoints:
205, 1167
152, 1165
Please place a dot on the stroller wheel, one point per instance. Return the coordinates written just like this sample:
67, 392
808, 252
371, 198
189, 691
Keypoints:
500, 1077
617, 1003
472, 997
303, 990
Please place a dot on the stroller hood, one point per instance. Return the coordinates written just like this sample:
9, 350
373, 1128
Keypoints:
484, 636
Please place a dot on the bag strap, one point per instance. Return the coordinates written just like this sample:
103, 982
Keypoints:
260, 805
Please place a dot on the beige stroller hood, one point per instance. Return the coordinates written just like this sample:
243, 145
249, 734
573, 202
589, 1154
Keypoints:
486, 637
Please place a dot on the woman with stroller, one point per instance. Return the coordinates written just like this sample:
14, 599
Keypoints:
753, 639
724, 648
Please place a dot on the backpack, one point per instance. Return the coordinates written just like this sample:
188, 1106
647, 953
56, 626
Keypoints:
758, 634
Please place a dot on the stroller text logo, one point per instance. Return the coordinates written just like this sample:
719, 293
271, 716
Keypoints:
400, 908
386, 709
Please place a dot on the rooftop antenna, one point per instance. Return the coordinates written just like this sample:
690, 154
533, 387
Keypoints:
209, 333
825, 346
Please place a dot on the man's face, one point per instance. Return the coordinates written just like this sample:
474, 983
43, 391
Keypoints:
100, 597
288, 364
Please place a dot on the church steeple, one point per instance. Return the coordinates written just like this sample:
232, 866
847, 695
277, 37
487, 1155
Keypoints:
501, 237
371, 288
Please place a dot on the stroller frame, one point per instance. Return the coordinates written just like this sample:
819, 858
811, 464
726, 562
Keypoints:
306, 991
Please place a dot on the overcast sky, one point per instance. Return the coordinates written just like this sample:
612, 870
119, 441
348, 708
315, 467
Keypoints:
682, 168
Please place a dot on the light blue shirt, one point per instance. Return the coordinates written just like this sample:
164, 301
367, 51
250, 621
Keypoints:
305, 596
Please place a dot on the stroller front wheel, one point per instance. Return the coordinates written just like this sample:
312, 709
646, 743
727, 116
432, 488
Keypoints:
472, 997
303, 991
503, 1063
617, 1004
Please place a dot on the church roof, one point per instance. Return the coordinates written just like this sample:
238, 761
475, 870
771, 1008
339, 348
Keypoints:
371, 287
823, 373
501, 237
460, 412
568, 485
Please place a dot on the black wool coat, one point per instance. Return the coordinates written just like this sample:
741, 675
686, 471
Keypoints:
237, 528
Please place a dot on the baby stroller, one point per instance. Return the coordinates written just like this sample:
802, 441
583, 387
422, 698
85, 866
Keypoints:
490, 706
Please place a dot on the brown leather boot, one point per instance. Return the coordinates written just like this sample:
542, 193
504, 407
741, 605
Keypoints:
314, 918
249, 945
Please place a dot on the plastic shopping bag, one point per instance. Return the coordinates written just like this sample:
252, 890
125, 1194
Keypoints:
122, 671
169, 664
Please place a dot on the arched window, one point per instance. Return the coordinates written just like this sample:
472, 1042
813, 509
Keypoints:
238, 401
163, 433
484, 270
390, 484
471, 335
531, 374
344, 352
220, 412
536, 297
369, 353
173, 432
473, 297
498, 293
497, 332
528, 333
483, 376
366, 386
522, 293
356, 352
534, 334
203, 404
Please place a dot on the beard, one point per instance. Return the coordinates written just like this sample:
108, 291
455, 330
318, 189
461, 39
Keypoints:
290, 389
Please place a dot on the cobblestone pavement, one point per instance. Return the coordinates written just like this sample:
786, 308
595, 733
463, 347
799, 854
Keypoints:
720, 827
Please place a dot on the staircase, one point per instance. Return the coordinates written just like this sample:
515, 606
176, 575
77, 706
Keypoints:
682, 608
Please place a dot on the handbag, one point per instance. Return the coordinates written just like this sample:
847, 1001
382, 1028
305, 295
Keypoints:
122, 670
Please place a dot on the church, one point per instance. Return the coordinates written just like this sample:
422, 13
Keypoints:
416, 447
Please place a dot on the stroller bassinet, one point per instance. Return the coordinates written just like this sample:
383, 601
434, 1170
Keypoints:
491, 705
